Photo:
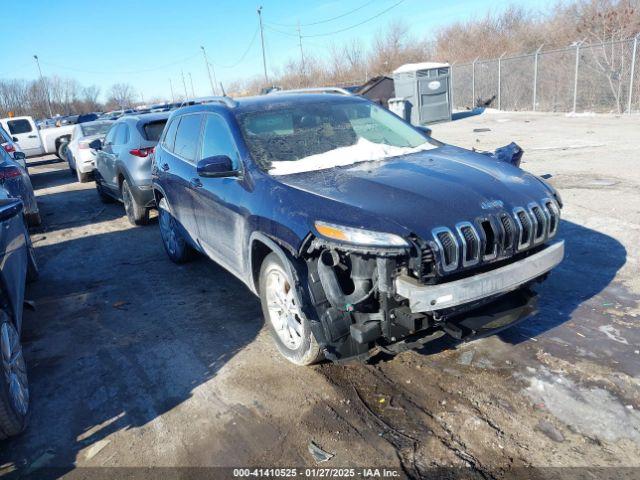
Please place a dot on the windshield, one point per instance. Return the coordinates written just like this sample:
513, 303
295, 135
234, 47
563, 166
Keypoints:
325, 134
101, 128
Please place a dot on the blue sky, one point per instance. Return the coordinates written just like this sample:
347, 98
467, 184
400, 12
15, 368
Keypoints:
147, 42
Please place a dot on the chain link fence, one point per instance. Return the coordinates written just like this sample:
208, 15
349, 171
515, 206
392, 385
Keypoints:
603, 78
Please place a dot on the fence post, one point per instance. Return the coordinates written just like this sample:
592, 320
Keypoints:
451, 97
535, 76
499, 80
633, 72
473, 83
575, 78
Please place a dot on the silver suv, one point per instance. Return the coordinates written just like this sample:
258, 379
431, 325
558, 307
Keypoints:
123, 163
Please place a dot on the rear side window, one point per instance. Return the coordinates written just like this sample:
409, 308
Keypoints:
122, 135
187, 136
153, 130
16, 127
169, 139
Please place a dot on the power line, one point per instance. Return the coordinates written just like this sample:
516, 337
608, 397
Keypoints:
357, 24
158, 67
246, 52
326, 20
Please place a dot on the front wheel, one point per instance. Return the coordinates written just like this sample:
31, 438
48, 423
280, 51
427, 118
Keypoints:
61, 150
136, 213
14, 386
281, 308
83, 177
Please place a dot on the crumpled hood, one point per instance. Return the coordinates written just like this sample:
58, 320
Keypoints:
416, 193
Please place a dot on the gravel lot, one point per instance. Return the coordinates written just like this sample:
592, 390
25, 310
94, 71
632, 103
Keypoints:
135, 361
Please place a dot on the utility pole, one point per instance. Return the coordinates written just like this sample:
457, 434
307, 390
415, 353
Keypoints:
173, 98
184, 84
213, 81
193, 92
304, 69
44, 86
264, 57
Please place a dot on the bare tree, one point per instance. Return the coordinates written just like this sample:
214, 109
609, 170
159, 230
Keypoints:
121, 95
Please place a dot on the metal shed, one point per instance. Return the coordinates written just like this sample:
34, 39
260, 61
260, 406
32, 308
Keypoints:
426, 91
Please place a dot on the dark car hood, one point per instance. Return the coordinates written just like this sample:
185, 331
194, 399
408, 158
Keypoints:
421, 191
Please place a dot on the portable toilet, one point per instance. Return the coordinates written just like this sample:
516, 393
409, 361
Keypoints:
425, 89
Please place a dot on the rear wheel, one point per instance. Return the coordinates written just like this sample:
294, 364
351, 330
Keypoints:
33, 272
14, 386
61, 150
136, 213
281, 309
33, 219
175, 245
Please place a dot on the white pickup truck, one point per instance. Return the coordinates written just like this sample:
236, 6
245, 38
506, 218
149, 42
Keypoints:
34, 142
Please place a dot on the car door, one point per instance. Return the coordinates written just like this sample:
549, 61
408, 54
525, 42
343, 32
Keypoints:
218, 207
105, 154
27, 135
179, 168
112, 152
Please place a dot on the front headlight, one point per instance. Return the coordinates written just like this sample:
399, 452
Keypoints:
359, 236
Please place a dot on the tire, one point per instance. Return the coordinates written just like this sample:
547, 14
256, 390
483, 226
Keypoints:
293, 335
104, 196
83, 177
33, 272
33, 219
177, 248
71, 164
14, 385
136, 213
61, 150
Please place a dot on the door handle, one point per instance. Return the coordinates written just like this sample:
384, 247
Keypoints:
195, 182
33, 136
165, 166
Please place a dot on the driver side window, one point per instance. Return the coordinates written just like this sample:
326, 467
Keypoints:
218, 140
111, 134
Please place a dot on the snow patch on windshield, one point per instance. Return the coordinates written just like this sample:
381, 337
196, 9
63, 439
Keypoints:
362, 151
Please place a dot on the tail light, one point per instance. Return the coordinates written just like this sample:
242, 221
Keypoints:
9, 148
9, 172
142, 152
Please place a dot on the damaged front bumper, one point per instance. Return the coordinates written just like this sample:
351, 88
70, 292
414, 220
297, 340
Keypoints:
429, 298
366, 300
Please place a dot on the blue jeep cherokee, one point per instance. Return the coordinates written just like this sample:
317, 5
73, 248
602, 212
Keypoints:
358, 231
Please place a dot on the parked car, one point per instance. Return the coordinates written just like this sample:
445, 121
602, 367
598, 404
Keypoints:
357, 231
15, 180
17, 266
123, 163
34, 142
11, 147
80, 156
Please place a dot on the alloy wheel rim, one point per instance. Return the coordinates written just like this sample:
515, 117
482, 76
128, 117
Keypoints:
126, 197
14, 368
167, 231
283, 309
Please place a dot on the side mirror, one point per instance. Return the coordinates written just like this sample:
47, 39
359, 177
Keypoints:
14, 139
19, 156
216, 166
96, 144
425, 130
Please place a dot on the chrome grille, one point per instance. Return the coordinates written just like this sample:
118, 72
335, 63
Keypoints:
509, 232
553, 213
448, 246
470, 243
539, 228
525, 228
490, 243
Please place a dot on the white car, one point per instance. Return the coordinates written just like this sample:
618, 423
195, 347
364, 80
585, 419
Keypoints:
34, 142
80, 156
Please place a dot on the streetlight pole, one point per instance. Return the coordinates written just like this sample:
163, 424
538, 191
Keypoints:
193, 92
184, 84
264, 57
302, 64
44, 86
173, 98
213, 81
